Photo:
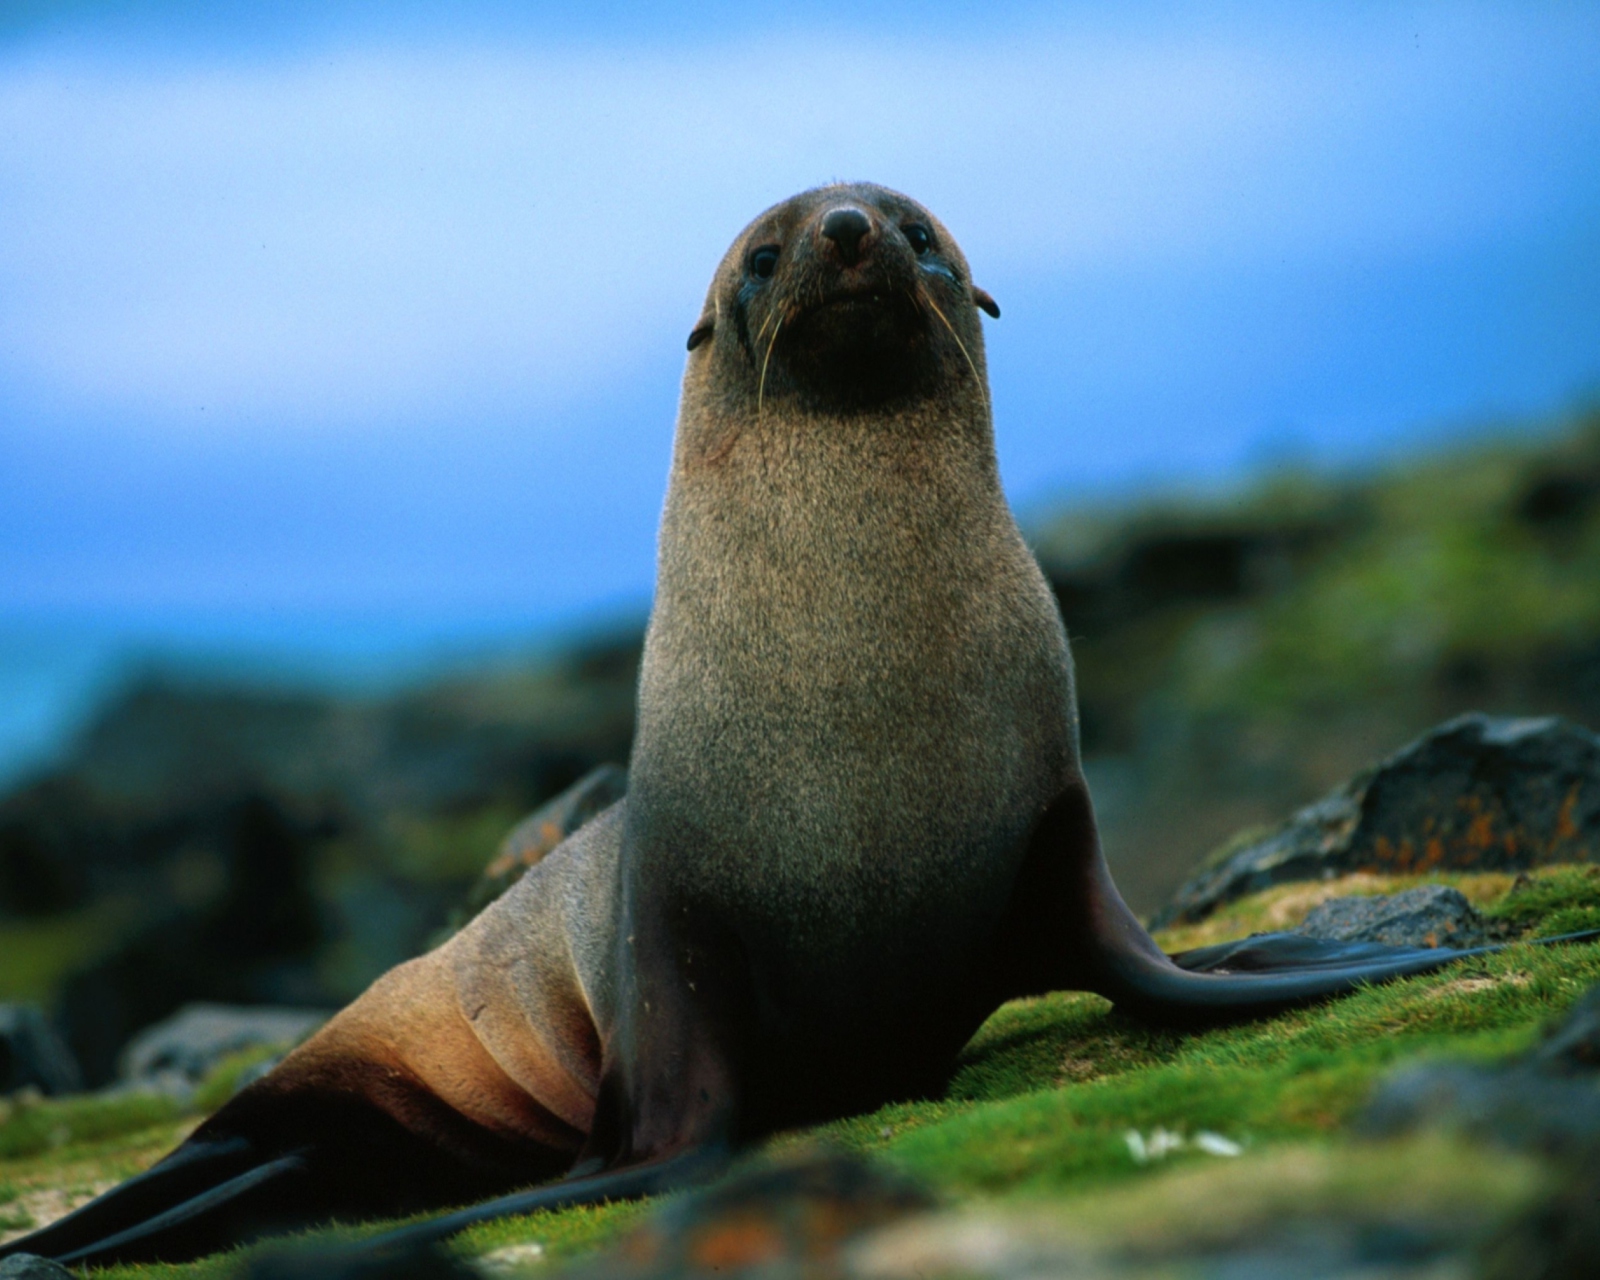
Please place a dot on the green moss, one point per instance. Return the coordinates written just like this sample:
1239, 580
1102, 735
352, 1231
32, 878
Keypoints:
57, 1123
1553, 901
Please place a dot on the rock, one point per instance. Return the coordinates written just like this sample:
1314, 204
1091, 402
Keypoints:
786, 1218
33, 1055
30, 1266
1545, 1101
1516, 1106
191, 1042
1430, 915
1479, 793
542, 830
1290, 1213
1573, 1048
250, 937
1557, 1239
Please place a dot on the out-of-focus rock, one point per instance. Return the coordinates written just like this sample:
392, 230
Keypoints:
1430, 915
789, 1218
542, 830
1547, 1101
32, 1055
263, 845
199, 1036
1478, 793
1416, 1212
253, 940
30, 1266
1558, 1239
1573, 1048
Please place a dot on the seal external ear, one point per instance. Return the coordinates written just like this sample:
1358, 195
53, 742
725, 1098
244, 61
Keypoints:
705, 328
982, 297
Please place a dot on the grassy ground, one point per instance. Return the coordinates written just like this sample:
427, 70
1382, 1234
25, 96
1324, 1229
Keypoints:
1050, 1089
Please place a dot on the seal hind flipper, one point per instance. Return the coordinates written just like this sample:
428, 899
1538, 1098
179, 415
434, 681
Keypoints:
1280, 952
1074, 932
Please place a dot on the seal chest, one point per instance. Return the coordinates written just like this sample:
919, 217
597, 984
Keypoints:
856, 697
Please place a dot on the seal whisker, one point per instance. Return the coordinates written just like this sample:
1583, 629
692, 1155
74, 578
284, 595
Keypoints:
976, 376
761, 386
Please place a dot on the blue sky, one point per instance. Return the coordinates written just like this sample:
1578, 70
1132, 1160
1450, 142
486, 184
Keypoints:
349, 332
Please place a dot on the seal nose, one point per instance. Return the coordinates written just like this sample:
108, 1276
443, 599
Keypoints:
848, 227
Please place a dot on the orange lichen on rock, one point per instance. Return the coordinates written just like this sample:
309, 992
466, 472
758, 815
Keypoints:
744, 1241
1566, 828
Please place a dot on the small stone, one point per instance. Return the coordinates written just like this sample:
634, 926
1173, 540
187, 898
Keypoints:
1430, 915
30, 1266
197, 1037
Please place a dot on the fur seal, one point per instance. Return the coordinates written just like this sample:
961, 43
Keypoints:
855, 821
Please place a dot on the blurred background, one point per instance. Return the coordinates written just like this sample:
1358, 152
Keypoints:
339, 350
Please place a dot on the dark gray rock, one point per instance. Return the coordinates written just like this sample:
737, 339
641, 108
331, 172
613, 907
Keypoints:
1557, 1238
1573, 1048
1548, 1100
1517, 1106
30, 1266
33, 1055
1430, 915
1479, 793
185, 1047
782, 1218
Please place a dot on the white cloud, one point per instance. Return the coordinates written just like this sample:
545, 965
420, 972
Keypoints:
354, 234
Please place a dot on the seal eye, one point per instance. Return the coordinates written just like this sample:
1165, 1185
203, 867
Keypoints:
764, 261
918, 237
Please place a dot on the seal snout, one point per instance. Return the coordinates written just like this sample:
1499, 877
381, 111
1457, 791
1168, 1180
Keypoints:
846, 232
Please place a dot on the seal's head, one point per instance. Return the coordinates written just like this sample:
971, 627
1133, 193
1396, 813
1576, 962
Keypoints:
843, 299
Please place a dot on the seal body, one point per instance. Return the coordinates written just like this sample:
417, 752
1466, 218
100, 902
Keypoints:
833, 769
855, 820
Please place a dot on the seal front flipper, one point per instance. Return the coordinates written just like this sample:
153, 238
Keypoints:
1071, 930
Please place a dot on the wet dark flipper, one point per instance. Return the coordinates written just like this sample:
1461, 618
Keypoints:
1294, 952
1075, 933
